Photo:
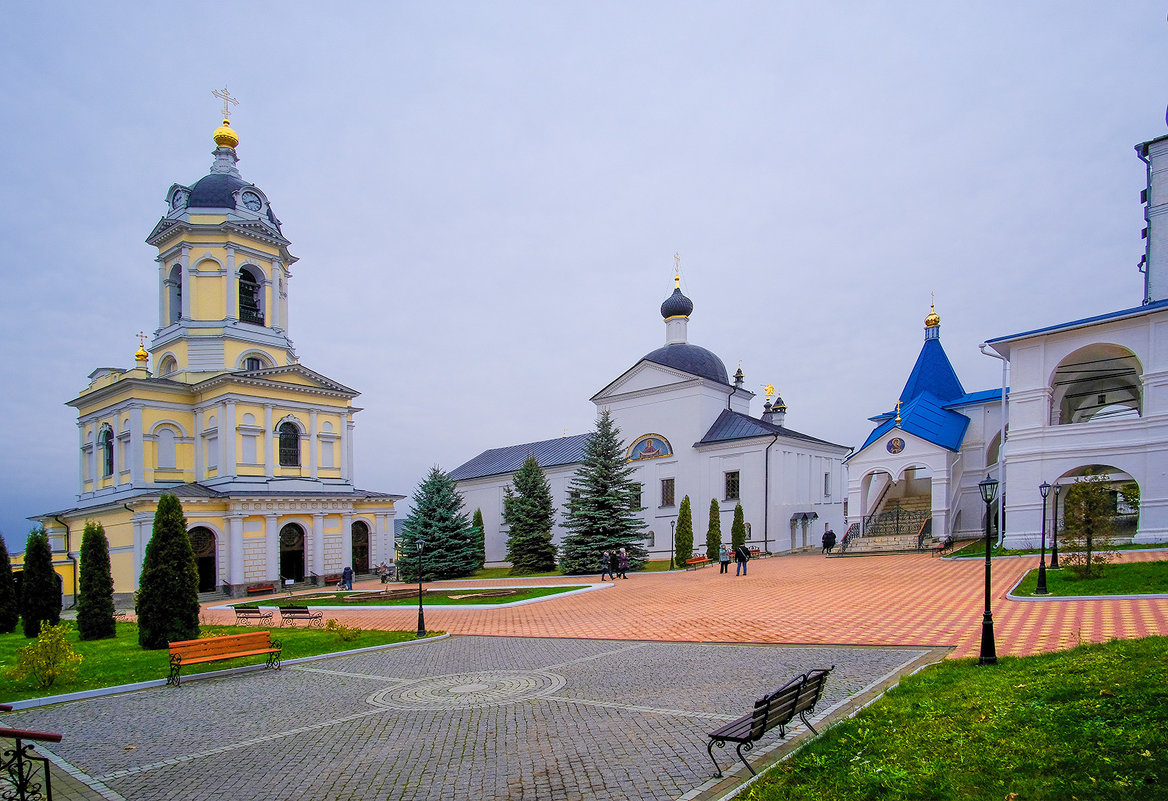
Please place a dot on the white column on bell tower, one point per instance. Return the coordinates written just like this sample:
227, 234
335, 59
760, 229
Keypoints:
1155, 155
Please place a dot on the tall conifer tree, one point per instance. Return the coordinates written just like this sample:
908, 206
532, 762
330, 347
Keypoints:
529, 514
738, 527
168, 590
95, 592
480, 537
40, 590
714, 529
9, 608
683, 539
602, 512
438, 520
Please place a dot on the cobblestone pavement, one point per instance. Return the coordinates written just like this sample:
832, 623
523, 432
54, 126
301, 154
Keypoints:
461, 718
907, 599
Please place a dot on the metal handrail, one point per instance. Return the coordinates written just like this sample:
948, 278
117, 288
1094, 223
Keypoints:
20, 763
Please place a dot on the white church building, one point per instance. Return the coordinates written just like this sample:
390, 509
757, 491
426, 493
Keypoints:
1089, 396
689, 431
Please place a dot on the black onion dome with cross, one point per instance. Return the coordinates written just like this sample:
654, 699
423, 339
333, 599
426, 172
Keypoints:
678, 353
223, 187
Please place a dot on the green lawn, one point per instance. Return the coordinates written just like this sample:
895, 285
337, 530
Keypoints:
1085, 724
652, 566
119, 660
453, 597
1131, 578
977, 548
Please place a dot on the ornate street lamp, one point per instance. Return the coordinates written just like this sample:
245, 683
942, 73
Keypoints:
1054, 532
421, 617
1044, 488
672, 525
988, 655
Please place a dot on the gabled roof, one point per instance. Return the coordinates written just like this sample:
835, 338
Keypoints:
732, 425
504, 461
933, 374
925, 416
277, 375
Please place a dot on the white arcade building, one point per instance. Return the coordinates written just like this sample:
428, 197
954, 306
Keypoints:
689, 431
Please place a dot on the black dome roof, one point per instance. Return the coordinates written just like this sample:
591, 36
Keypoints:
678, 305
215, 191
690, 358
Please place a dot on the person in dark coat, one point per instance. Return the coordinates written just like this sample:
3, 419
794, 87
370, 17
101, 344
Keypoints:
622, 564
742, 556
347, 577
613, 564
606, 566
828, 540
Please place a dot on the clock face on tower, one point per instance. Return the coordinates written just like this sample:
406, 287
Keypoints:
252, 201
178, 199
895, 445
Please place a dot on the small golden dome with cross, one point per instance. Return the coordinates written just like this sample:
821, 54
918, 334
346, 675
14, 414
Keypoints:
934, 319
224, 136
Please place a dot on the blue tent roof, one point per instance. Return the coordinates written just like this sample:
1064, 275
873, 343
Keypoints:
933, 374
925, 416
503, 461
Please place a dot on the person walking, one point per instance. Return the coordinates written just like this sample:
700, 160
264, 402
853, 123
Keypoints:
742, 556
828, 540
606, 566
724, 558
622, 564
613, 564
347, 577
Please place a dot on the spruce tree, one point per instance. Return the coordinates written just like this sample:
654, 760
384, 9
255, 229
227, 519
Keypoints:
714, 530
40, 590
602, 512
168, 589
95, 592
9, 609
529, 514
683, 539
738, 527
438, 520
480, 538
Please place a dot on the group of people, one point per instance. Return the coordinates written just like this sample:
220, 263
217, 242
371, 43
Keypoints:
741, 557
614, 564
828, 540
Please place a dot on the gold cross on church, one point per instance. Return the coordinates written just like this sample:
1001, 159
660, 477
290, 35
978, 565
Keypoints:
141, 338
228, 101
898, 412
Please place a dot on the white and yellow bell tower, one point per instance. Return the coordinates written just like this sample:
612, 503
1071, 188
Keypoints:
223, 272
258, 448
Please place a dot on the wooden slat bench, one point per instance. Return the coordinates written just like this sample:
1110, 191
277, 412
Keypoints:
245, 614
795, 698
214, 649
696, 562
755, 553
290, 614
256, 589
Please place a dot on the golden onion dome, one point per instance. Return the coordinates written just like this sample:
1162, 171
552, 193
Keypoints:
934, 319
141, 355
224, 136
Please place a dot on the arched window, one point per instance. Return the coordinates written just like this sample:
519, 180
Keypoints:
106, 442
167, 366
165, 440
250, 308
174, 295
289, 445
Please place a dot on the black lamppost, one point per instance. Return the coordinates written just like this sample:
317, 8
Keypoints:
988, 655
672, 525
421, 617
1040, 589
1054, 532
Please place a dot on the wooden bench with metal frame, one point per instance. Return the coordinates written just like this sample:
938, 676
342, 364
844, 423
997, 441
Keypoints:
245, 614
697, 561
214, 649
290, 614
256, 589
795, 698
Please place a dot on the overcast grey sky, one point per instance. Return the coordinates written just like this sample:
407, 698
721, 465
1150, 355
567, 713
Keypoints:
486, 197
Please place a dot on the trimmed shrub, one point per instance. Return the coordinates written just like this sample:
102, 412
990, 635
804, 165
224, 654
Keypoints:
167, 604
40, 594
683, 540
738, 527
9, 608
95, 591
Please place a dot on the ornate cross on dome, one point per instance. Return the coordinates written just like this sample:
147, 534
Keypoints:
141, 338
228, 101
898, 412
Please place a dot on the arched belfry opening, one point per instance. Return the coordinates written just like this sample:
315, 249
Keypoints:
174, 295
1098, 382
250, 296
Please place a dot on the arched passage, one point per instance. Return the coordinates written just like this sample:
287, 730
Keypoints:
292, 552
360, 546
1097, 382
203, 543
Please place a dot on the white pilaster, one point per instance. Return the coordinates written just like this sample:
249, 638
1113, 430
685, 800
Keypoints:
227, 435
272, 546
235, 554
232, 286
318, 543
188, 289
269, 437
312, 444
198, 438
137, 448
347, 540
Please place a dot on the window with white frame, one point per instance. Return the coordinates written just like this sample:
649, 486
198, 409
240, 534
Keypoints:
668, 497
732, 485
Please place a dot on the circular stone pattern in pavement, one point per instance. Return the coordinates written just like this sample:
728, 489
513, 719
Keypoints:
469, 690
